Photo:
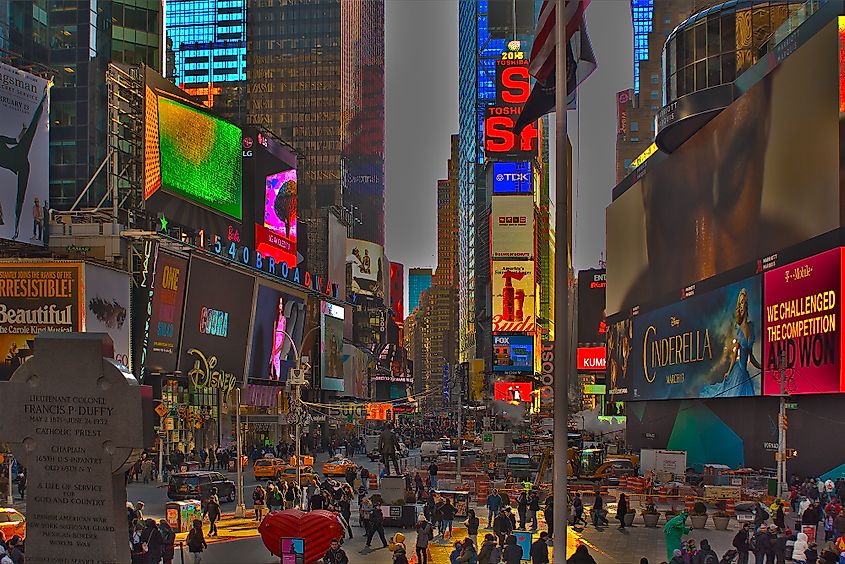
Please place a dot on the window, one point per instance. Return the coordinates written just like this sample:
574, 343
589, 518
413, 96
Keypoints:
635, 126
654, 79
628, 163
654, 94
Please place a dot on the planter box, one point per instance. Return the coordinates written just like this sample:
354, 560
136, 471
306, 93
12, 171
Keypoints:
629, 519
651, 519
721, 523
698, 521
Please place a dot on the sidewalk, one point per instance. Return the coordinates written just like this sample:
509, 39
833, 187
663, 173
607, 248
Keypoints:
228, 528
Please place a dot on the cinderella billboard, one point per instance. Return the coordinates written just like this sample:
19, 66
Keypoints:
706, 346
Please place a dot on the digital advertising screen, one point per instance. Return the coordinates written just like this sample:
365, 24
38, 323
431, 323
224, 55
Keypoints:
513, 296
279, 218
337, 254
620, 338
168, 300
24, 176
803, 315
36, 297
513, 86
739, 174
512, 391
331, 348
591, 359
513, 353
512, 226
592, 321
279, 316
512, 178
218, 311
397, 290
365, 261
706, 346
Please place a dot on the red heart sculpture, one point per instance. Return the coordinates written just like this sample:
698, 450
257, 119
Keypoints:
318, 528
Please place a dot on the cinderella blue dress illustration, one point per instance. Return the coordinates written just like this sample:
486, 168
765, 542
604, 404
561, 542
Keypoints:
737, 380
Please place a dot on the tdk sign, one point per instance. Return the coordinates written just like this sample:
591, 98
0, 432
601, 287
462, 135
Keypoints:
512, 178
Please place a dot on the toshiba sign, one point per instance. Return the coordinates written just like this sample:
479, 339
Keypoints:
513, 85
592, 359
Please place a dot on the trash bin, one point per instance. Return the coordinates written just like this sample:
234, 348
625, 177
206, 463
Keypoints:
180, 514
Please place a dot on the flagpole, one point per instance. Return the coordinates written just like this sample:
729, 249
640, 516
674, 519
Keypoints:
563, 254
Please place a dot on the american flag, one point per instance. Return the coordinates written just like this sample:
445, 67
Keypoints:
545, 37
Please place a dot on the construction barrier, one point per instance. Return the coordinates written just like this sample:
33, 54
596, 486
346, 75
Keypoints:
730, 507
482, 493
689, 504
373, 482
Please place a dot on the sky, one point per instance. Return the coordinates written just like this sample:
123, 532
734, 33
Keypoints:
421, 112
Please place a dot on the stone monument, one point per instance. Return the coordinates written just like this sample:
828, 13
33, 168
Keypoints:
73, 416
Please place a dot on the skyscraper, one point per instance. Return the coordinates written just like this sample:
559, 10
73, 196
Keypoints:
419, 280
316, 78
207, 42
74, 42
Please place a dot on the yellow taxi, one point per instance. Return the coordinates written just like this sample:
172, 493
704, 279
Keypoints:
337, 466
307, 475
267, 468
12, 522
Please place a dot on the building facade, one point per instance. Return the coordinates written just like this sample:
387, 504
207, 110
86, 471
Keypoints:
419, 280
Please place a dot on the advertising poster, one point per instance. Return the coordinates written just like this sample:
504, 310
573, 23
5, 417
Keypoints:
591, 359
513, 296
513, 353
802, 315
512, 228
397, 291
512, 391
24, 174
739, 174
707, 346
620, 338
278, 236
331, 348
218, 309
592, 323
36, 297
278, 317
354, 371
171, 278
512, 178
365, 261
337, 255
107, 308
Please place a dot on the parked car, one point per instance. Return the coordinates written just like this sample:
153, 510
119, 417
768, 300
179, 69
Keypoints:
198, 484
12, 522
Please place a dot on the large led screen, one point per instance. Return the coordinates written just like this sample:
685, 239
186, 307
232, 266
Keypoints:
512, 178
512, 227
513, 353
760, 177
512, 391
513, 296
706, 346
192, 154
171, 278
592, 323
278, 317
24, 170
803, 315
365, 263
331, 348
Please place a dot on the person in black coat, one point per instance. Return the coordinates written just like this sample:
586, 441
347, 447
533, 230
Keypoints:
154, 541
376, 526
742, 543
540, 550
622, 510
581, 556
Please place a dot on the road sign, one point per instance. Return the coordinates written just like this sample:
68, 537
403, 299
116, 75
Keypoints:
791, 405
161, 410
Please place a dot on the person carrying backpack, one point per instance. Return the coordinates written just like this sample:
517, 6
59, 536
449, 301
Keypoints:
196, 541
707, 555
168, 542
489, 553
425, 533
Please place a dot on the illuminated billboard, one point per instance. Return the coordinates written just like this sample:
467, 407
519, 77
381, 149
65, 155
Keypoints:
802, 315
192, 154
739, 174
365, 262
706, 346
592, 324
278, 317
513, 353
513, 86
397, 291
591, 359
24, 170
165, 326
513, 178
512, 227
331, 347
512, 391
513, 296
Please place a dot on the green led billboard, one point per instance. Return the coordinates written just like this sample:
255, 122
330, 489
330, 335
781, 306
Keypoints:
200, 157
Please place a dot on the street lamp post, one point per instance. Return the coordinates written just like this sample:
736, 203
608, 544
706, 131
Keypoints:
240, 509
9, 499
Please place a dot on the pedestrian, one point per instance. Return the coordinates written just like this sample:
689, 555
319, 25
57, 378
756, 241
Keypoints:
578, 510
742, 543
14, 550
678, 557
540, 549
472, 523
425, 533
335, 554
4, 556
350, 476
147, 470
598, 511
533, 508
259, 498
780, 518
196, 541
582, 556
168, 542
799, 549
448, 515
376, 525
548, 515
502, 527
317, 501
432, 474
494, 503
418, 486
346, 511
457, 548
522, 508
622, 510
760, 544
212, 511
707, 555
512, 553
489, 552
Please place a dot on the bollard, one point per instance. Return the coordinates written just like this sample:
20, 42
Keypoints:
182, 552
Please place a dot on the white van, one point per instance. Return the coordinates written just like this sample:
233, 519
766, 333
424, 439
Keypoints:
430, 449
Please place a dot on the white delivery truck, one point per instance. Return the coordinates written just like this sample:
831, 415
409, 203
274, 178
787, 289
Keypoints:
663, 462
